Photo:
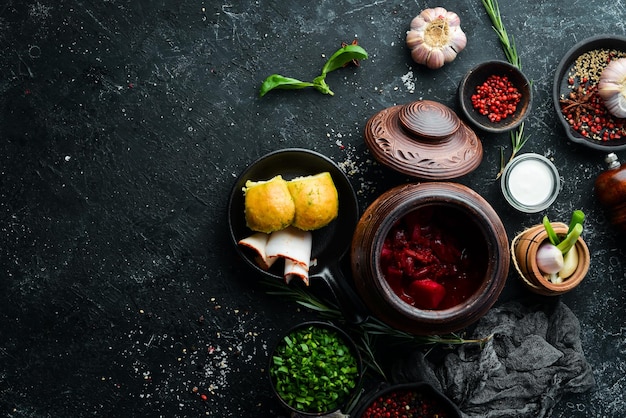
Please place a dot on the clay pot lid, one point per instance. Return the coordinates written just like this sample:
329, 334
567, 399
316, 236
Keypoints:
424, 139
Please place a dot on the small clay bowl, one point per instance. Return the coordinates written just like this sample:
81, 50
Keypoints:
345, 397
524, 255
419, 396
477, 76
466, 218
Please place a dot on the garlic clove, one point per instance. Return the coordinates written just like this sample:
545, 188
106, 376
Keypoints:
418, 23
431, 14
458, 40
549, 258
432, 58
449, 54
436, 59
453, 19
570, 263
413, 40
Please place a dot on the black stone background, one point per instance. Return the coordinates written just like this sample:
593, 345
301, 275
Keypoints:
123, 126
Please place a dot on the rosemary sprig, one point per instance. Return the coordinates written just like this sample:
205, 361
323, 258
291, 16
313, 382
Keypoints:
301, 297
368, 330
518, 139
508, 44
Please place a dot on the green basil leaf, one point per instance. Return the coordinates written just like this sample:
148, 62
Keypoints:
342, 56
277, 81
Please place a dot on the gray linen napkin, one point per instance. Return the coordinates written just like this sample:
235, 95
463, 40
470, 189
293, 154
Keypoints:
534, 358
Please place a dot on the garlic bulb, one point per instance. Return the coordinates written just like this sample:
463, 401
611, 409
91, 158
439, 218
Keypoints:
612, 87
435, 37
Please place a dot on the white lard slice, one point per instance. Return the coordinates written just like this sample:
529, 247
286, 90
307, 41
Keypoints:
258, 243
296, 270
294, 245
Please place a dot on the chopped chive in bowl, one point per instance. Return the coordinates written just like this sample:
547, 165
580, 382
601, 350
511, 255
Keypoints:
314, 368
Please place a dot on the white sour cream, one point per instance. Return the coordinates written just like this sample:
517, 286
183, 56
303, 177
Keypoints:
530, 183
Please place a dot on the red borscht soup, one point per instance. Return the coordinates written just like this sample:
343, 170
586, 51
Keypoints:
434, 257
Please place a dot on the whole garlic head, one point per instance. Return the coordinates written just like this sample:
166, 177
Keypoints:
612, 87
435, 37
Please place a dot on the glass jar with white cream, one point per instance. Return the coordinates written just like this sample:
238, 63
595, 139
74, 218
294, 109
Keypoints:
530, 183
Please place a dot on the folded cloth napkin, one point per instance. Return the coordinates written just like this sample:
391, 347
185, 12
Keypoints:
533, 358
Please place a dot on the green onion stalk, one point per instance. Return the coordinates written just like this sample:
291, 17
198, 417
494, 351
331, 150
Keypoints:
518, 139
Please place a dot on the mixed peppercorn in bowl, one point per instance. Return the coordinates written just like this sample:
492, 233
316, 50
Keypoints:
495, 96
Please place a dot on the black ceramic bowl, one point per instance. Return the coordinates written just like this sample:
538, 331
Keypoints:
418, 395
477, 76
312, 371
562, 87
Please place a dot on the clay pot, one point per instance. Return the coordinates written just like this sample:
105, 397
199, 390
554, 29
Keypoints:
478, 220
524, 255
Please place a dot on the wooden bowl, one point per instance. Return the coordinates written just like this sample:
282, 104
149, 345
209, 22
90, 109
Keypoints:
524, 255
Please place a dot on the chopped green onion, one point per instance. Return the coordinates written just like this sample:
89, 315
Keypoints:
311, 375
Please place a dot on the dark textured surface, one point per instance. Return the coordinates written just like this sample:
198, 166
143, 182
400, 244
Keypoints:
123, 126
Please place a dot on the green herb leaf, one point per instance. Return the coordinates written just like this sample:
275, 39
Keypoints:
277, 81
339, 59
343, 56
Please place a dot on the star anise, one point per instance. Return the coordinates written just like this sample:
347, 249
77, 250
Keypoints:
579, 101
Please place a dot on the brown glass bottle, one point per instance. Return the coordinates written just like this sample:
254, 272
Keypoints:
610, 189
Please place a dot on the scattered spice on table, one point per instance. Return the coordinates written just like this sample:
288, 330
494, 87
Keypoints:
497, 98
407, 404
582, 107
